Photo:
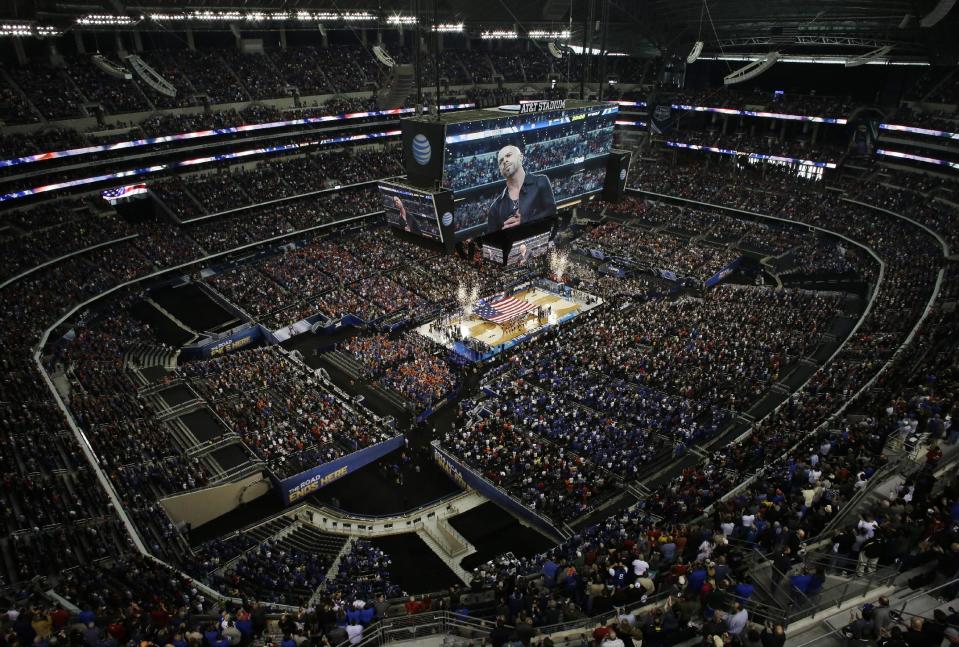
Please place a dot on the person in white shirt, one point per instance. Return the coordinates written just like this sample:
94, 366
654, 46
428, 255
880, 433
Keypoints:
814, 475
640, 566
354, 632
728, 528
861, 481
705, 550
748, 519
868, 525
738, 620
611, 640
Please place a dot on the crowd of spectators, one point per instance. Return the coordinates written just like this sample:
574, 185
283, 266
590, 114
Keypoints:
756, 99
767, 144
544, 476
364, 574
817, 254
274, 179
281, 410
54, 229
250, 289
272, 572
660, 250
409, 364
622, 387
259, 223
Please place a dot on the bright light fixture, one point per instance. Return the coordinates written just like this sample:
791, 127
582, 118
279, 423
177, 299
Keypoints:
104, 19
544, 34
498, 34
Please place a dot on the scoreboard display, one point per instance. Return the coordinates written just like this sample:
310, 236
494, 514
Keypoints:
424, 213
507, 168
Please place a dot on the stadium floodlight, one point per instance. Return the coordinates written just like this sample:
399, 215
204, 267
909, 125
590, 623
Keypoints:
938, 13
449, 28
401, 20
105, 19
357, 16
26, 29
13, 29
258, 15
498, 34
695, 52
543, 34
752, 70
864, 59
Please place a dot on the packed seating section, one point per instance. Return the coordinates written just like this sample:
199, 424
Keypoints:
545, 411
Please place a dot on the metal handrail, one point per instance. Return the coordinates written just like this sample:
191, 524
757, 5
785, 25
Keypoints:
428, 623
901, 611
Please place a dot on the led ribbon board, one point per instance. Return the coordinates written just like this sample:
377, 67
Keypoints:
147, 170
758, 156
920, 131
199, 134
767, 115
918, 158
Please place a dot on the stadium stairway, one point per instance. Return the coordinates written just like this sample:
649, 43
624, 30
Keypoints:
146, 355
346, 364
400, 87
271, 529
442, 553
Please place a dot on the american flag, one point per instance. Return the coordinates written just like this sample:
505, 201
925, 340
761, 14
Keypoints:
123, 191
501, 310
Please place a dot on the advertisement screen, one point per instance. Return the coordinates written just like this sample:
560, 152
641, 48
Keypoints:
410, 210
513, 169
523, 251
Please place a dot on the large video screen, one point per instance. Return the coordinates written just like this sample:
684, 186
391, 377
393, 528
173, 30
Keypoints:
493, 253
523, 251
511, 170
410, 210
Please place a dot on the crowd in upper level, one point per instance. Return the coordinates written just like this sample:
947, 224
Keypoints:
41, 90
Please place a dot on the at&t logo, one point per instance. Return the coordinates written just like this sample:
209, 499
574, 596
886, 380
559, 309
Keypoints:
422, 150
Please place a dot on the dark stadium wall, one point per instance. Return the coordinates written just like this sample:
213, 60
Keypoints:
200, 506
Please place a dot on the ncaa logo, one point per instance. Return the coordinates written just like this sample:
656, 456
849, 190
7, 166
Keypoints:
622, 175
422, 151
447, 219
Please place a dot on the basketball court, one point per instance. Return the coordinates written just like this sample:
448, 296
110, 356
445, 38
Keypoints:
537, 309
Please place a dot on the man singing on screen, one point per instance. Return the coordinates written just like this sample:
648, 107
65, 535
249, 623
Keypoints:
405, 221
526, 197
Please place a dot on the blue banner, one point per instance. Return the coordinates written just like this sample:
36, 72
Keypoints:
467, 478
305, 483
246, 337
721, 274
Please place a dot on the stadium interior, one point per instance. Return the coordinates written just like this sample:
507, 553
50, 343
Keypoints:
585, 322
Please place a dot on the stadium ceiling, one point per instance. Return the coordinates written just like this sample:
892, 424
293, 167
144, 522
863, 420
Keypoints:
809, 26
638, 27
